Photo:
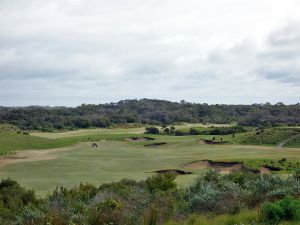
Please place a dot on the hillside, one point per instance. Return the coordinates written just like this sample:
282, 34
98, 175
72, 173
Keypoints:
147, 111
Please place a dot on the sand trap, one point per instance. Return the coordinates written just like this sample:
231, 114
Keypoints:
223, 167
138, 139
271, 168
210, 142
156, 144
30, 155
171, 171
228, 167
264, 170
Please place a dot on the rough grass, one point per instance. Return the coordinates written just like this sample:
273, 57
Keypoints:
243, 218
294, 142
285, 165
272, 136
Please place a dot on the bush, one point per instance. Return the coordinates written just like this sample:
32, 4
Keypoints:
210, 194
104, 213
151, 130
160, 182
287, 209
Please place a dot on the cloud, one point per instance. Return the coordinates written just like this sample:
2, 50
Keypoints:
75, 51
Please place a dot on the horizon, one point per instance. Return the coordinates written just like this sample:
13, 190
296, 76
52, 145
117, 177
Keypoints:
220, 52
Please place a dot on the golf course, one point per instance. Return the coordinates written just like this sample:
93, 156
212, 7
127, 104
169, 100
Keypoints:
42, 161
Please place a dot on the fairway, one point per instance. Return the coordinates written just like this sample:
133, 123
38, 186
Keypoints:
83, 132
115, 160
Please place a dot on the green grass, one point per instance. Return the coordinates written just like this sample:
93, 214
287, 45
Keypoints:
272, 136
11, 141
294, 143
92, 131
285, 165
245, 217
117, 159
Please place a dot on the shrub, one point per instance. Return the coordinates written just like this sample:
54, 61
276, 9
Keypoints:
287, 209
160, 182
210, 193
13, 198
31, 216
151, 130
107, 212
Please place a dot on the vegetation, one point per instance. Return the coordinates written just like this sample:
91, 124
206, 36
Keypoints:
184, 191
12, 140
283, 165
147, 111
228, 199
287, 209
116, 158
226, 130
272, 136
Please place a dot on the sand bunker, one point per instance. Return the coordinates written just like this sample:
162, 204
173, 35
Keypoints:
210, 142
156, 144
228, 167
263, 170
270, 168
223, 167
138, 139
173, 171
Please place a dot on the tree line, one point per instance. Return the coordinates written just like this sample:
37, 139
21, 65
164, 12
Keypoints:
147, 111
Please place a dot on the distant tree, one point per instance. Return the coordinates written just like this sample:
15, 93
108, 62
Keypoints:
163, 126
148, 111
172, 130
151, 130
166, 130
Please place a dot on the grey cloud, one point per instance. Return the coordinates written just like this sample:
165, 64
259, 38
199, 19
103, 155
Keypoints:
286, 36
74, 51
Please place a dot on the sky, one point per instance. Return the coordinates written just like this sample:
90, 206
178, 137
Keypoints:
69, 52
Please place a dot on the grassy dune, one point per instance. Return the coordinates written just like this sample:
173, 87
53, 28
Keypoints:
272, 136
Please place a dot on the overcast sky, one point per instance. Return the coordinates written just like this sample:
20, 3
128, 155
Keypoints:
69, 52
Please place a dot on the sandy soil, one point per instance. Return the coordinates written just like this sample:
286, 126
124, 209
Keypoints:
223, 167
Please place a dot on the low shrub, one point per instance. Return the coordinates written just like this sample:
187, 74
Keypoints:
160, 182
287, 209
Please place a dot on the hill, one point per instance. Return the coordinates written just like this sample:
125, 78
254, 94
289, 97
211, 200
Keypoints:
147, 111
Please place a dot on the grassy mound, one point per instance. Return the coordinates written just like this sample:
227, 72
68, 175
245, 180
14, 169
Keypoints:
12, 141
293, 143
9, 128
272, 136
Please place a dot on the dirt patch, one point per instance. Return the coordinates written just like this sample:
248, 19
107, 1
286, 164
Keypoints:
138, 139
171, 171
223, 167
264, 170
210, 142
155, 144
30, 155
